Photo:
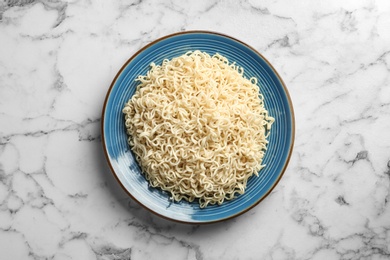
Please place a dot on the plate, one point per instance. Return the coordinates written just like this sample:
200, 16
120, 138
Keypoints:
122, 161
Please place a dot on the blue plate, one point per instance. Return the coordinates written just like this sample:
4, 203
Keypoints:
122, 161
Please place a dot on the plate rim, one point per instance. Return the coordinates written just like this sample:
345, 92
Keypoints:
289, 101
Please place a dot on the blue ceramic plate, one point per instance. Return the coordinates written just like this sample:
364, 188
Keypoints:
122, 161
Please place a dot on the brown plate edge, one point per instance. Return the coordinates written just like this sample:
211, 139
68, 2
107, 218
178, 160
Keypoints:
289, 103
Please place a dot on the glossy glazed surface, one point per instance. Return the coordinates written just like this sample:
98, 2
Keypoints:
58, 197
277, 102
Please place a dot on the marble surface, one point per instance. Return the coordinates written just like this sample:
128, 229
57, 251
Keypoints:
58, 199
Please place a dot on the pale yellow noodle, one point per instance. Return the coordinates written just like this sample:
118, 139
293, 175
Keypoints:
198, 127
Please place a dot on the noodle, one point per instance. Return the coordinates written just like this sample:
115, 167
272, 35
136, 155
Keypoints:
198, 128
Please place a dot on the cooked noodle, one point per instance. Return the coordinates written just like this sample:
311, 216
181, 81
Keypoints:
198, 127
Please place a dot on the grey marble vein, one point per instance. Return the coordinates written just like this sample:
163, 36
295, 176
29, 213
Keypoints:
58, 199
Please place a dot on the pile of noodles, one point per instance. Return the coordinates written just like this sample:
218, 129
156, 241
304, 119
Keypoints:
198, 127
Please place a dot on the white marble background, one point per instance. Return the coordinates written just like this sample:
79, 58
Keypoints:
58, 199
